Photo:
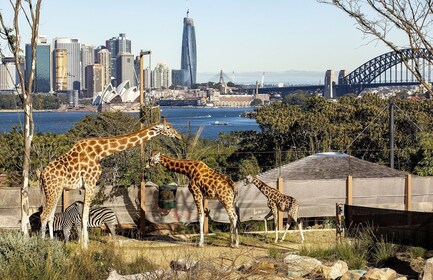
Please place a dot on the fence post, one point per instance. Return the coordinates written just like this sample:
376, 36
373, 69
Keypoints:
65, 200
408, 193
142, 207
206, 216
280, 214
349, 190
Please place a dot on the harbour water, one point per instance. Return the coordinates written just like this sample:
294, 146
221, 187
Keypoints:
211, 121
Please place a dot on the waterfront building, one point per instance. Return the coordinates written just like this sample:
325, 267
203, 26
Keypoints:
95, 79
125, 68
189, 52
60, 70
115, 46
87, 58
161, 76
178, 77
8, 79
73, 51
42, 75
104, 58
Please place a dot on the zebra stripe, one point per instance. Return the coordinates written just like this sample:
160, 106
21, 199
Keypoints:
72, 216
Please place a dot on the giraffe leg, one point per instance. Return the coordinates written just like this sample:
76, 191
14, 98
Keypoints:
299, 223
85, 218
47, 215
233, 226
198, 199
276, 226
289, 220
266, 222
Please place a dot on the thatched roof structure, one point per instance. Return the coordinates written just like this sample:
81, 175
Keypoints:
330, 166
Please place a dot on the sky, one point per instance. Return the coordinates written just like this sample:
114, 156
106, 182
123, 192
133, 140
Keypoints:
291, 41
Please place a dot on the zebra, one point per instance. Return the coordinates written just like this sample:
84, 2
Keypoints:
72, 216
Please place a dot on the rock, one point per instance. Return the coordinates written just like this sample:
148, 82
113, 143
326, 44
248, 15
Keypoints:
183, 265
427, 273
353, 275
301, 265
380, 274
151, 275
335, 271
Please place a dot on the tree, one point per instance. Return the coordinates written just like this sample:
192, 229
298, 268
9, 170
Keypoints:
386, 19
12, 36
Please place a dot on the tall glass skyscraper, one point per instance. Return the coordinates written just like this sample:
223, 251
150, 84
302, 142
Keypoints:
41, 82
117, 45
73, 51
189, 52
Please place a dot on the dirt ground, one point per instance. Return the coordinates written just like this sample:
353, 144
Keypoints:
164, 249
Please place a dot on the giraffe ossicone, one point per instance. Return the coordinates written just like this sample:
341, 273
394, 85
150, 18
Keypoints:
204, 182
278, 201
80, 168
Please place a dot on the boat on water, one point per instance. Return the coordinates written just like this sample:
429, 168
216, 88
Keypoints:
219, 123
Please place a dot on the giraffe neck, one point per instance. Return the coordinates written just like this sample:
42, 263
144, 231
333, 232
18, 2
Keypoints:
111, 145
264, 188
182, 166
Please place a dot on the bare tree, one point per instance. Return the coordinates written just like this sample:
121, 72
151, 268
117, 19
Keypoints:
385, 19
11, 34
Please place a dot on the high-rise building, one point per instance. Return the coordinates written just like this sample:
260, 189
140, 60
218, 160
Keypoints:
60, 70
161, 76
8, 69
104, 58
189, 52
87, 58
73, 51
115, 46
95, 79
125, 68
42, 75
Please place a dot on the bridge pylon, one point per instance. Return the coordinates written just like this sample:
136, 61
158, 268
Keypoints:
329, 88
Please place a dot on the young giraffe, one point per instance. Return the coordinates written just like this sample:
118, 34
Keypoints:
80, 168
278, 201
204, 182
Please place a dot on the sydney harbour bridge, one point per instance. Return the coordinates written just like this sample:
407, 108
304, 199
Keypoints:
386, 70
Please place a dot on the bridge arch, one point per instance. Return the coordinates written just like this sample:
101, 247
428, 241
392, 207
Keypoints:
364, 75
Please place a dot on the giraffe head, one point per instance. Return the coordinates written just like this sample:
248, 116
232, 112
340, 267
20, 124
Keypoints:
165, 128
155, 158
248, 179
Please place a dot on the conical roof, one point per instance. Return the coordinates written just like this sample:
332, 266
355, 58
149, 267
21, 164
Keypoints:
330, 166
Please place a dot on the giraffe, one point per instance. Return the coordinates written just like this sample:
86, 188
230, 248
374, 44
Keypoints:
278, 201
80, 168
204, 182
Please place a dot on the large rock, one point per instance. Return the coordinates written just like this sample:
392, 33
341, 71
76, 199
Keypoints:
427, 273
380, 274
299, 266
152, 275
335, 271
353, 274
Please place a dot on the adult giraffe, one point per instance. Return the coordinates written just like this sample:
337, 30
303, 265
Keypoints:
80, 168
204, 182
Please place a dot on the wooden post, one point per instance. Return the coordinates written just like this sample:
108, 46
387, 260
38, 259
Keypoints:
206, 217
280, 214
142, 207
408, 193
349, 191
65, 200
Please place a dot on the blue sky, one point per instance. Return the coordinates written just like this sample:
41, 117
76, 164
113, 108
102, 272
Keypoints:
244, 37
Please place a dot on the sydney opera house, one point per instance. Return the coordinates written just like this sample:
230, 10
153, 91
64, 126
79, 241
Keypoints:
123, 93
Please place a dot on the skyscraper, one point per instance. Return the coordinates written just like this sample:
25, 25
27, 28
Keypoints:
104, 58
161, 76
42, 78
125, 68
8, 70
95, 79
189, 52
60, 70
87, 58
73, 55
115, 46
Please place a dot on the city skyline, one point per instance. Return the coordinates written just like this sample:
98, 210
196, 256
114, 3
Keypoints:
243, 38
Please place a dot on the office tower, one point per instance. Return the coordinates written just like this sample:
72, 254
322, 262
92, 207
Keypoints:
87, 58
96, 51
161, 76
42, 75
95, 79
104, 58
60, 70
125, 68
115, 46
8, 77
178, 77
73, 51
189, 52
